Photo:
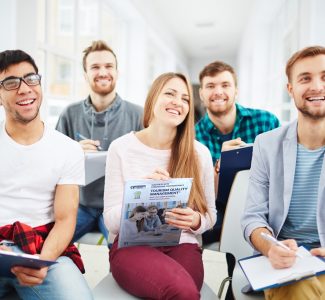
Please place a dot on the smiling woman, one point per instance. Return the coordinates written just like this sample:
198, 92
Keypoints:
164, 149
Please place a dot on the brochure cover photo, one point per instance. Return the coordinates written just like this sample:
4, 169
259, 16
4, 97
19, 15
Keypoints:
143, 211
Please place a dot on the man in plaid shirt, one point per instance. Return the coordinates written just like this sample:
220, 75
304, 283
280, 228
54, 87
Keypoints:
226, 124
226, 120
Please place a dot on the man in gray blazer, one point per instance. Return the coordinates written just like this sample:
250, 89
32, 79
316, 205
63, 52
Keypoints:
286, 194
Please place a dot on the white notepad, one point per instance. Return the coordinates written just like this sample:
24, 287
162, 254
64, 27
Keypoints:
261, 275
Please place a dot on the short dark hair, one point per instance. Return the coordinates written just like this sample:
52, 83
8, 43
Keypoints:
13, 57
96, 46
301, 54
215, 68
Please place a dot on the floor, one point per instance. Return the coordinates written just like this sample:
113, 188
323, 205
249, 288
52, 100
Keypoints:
96, 263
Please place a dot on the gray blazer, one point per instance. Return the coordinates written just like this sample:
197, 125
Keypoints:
271, 182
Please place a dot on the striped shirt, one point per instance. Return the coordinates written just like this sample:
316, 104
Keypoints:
249, 123
301, 222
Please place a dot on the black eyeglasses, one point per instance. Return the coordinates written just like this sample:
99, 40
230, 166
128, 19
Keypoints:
13, 83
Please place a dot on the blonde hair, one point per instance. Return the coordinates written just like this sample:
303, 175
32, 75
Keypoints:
184, 162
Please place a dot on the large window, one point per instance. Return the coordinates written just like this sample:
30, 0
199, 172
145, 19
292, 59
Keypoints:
65, 29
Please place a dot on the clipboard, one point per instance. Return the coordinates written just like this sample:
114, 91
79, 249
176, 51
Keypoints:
95, 164
232, 161
261, 275
9, 259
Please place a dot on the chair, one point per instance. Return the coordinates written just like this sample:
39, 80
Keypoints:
109, 289
91, 238
232, 239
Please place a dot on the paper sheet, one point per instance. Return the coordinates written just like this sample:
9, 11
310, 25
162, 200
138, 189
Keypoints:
261, 274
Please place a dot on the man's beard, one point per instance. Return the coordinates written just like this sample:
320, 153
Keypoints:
104, 91
220, 113
24, 120
317, 115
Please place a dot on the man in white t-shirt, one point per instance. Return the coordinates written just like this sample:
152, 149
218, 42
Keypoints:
40, 172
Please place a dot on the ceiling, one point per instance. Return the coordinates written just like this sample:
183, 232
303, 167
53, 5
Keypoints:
203, 27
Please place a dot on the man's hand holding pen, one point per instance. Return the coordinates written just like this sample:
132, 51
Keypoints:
282, 254
89, 145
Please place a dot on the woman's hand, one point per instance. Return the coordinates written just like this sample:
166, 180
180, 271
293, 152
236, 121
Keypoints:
158, 174
183, 218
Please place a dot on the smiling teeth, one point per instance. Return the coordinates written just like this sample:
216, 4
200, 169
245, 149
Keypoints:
315, 98
103, 80
25, 102
173, 111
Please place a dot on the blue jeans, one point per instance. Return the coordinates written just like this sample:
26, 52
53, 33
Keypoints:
89, 219
64, 281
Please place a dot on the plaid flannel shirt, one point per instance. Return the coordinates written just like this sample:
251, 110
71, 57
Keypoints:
31, 240
249, 124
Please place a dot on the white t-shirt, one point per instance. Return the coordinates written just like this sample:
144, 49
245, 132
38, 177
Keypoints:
29, 175
128, 158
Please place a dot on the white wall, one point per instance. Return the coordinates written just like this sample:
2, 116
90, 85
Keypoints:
148, 50
8, 25
277, 30
197, 64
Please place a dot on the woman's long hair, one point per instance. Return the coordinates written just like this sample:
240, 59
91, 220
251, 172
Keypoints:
184, 162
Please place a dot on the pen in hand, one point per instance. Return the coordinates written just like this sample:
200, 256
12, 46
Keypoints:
82, 137
274, 241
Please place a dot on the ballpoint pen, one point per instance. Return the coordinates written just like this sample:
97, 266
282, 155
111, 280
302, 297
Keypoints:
82, 137
273, 240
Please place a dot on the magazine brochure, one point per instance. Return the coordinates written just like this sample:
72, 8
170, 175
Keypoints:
145, 203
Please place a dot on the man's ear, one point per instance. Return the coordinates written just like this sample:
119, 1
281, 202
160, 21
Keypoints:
200, 94
236, 93
289, 89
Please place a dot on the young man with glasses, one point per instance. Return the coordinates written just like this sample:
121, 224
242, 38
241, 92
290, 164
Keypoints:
39, 177
95, 122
